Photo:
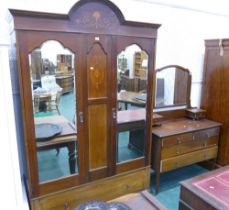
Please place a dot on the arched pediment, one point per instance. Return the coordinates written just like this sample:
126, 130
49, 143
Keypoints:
96, 15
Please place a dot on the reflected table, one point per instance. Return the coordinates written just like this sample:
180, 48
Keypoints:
67, 138
207, 191
133, 121
133, 98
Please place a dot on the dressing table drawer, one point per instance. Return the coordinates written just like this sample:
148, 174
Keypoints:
187, 147
182, 138
205, 134
177, 139
187, 159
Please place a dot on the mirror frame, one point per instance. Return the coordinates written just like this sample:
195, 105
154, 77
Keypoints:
129, 100
74, 90
188, 93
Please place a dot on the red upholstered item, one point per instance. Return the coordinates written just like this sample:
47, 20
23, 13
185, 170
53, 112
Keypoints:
216, 186
224, 177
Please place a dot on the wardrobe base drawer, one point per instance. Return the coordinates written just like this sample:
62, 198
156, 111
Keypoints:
104, 189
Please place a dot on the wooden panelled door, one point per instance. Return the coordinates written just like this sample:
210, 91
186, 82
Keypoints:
97, 104
215, 91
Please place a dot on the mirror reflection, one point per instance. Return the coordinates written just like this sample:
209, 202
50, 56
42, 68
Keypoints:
172, 86
132, 72
54, 105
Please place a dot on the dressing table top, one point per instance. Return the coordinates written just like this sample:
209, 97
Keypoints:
182, 125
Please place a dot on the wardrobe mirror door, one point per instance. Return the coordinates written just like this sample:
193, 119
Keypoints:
53, 85
132, 73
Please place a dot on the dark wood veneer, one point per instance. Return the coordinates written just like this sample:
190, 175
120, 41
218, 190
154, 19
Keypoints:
215, 91
85, 36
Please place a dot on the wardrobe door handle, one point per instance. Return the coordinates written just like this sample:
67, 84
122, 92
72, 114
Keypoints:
114, 113
81, 117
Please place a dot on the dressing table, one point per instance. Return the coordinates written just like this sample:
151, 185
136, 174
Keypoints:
179, 140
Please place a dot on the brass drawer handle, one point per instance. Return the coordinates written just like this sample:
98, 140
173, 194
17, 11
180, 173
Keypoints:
204, 144
178, 140
66, 206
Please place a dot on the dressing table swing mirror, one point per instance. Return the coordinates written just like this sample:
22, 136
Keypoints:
182, 136
172, 87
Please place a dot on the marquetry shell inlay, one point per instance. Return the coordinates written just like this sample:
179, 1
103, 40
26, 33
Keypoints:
96, 17
97, 65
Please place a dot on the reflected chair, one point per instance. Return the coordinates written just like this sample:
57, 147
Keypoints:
42, 103
48, 82
36, 103
56, 102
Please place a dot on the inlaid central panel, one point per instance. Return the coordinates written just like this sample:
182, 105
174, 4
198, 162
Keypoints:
97, 75
98, 95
